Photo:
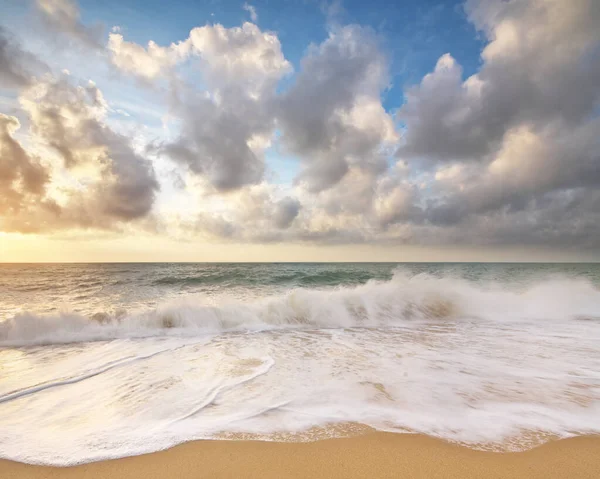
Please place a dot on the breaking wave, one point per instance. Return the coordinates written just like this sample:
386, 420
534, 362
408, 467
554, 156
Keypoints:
404, 301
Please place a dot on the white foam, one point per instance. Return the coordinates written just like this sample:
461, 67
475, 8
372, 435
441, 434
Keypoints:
397, 302
473, 363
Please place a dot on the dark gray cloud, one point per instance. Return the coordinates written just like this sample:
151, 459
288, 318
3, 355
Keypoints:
567, 218
562, 219
132, 188
530, 164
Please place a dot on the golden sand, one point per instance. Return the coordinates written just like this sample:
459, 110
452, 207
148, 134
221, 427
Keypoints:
375, 455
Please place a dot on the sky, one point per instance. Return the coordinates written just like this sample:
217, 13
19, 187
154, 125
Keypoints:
299, 130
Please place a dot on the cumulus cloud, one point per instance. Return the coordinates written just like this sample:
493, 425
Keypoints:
23, 179
261, 212
64, 17
228, 58
540, 65
145, 63
332, 117
239, 58
518, 140
71, 121
214, 143
226, 127
105, 183
510, 155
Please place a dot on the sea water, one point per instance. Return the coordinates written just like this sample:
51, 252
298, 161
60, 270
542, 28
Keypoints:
101, 361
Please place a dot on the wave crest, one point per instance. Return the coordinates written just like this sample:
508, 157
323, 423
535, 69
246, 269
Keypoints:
401, 302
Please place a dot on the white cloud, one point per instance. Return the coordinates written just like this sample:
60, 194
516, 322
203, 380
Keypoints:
252, 11
519, 136
108, 183
508, 155
226, 127
146, 63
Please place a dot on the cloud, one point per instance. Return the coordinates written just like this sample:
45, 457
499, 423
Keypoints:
71, 121
145, 63
17, 66
540, 65
528, 165
285, 212
358, 209
510, 155
515, 143
226, 57
257, 213
23, 178
100, 182
332, 117
226, 127
64, 17
239, 58
564, 219
252, 11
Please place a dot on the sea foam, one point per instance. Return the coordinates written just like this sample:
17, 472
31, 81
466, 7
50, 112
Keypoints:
486, 364
377, 304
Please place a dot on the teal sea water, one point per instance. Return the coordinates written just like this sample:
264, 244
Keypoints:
109, 360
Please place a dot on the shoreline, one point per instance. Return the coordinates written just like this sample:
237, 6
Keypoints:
373, 455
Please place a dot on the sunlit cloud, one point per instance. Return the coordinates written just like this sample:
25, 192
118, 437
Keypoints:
506, 156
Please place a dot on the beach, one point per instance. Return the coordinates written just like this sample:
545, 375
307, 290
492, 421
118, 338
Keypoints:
375, 455
299, 239
148, 357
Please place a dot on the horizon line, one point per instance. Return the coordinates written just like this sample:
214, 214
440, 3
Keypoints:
298, 262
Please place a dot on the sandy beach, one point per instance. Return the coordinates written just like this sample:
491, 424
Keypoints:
376, 455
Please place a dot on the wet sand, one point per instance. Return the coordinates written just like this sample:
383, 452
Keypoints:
376, 455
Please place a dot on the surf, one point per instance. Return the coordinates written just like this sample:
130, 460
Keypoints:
403, 301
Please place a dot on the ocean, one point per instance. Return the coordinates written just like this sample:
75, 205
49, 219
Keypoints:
101, 361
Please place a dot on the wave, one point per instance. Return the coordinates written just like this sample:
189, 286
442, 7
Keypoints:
296, 278
400, 302
207, 278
